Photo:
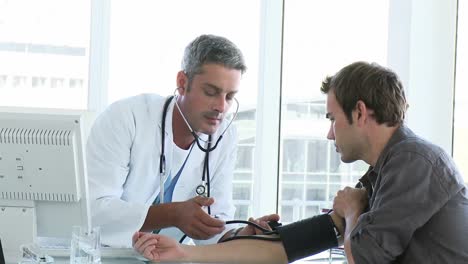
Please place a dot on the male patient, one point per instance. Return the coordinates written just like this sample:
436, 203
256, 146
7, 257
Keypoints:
418, 205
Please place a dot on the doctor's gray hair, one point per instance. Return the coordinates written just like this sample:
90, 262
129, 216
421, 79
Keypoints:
211, 49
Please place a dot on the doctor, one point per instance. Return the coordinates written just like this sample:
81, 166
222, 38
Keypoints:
143, 142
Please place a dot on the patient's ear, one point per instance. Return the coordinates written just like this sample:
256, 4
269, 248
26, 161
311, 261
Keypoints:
361, 112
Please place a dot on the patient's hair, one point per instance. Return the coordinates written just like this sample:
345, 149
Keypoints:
379, 88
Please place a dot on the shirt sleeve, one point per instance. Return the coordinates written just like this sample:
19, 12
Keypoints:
108, 158
407, 194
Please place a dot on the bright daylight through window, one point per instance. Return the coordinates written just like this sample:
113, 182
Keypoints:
311, 170
460, 150
147, 60
44, 53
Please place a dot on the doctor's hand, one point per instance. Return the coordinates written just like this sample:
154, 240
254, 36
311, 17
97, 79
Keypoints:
194, 221
157, 247
262, 221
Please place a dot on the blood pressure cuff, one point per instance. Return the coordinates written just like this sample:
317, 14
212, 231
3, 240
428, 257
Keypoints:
308, 237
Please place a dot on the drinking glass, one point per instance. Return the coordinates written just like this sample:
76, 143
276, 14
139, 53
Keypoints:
85, 246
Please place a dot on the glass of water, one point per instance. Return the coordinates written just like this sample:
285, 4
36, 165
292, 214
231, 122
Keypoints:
85, 246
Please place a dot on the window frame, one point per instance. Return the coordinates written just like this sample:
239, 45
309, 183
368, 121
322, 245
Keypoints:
410, 47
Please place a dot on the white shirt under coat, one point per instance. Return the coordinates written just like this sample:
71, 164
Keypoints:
123, 151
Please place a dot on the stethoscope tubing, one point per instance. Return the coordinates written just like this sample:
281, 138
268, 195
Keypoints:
207, 150
197, 138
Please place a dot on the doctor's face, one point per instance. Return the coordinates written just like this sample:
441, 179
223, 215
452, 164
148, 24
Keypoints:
206, 99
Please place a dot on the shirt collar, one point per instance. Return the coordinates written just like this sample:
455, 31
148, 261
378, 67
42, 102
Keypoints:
366, 181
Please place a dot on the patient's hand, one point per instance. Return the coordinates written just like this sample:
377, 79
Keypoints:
157, 247
350, 202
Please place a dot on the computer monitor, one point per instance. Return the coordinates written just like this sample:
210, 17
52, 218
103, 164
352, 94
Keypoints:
43, 180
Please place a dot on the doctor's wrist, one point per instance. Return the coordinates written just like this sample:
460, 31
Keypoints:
176, 210
160, 216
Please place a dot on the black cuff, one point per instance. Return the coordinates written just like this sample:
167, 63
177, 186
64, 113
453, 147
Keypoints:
308, 237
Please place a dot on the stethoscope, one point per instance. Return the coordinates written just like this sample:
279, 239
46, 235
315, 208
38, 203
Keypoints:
203, 189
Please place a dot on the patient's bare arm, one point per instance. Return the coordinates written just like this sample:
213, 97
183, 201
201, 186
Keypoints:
161, 248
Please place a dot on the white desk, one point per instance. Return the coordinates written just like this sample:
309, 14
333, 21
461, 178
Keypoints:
135, 261
127, 261
321, 258
62, 260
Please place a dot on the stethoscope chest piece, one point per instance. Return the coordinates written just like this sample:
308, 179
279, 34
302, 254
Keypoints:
201, 189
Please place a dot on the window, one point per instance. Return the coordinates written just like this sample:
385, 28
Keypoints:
44, 52
20, 81
42, 43
3, 81
147, 60
460, 140
57, 83
75, 83
311, 170
38, 82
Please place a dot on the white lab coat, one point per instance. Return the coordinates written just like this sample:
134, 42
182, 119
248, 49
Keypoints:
123, 151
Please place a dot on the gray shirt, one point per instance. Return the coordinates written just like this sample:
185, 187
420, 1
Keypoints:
418, 210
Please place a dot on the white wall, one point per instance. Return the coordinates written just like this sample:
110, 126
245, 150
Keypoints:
422, 37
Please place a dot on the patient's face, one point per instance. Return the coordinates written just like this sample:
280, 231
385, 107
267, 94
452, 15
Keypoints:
344, 134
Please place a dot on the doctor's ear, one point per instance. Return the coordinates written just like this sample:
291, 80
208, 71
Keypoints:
182, 82
179, 91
